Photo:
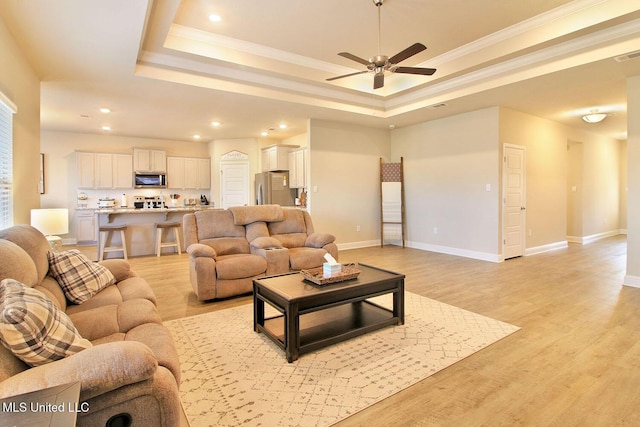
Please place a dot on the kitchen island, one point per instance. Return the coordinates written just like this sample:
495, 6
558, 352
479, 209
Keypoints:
140, 233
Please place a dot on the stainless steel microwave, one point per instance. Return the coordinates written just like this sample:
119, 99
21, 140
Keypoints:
150, 179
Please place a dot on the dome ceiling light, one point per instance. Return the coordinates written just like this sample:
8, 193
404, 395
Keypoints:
594, 116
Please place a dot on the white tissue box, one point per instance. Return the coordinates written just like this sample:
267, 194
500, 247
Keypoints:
331, 270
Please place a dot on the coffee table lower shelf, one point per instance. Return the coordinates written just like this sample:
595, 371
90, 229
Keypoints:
331, 325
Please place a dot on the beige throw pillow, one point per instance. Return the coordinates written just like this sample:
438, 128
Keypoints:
33, 328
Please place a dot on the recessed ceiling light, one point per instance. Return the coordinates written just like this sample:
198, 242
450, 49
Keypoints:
106, 128
104, 110
265, 133
215, 18
196, 136
215, 124
283, 126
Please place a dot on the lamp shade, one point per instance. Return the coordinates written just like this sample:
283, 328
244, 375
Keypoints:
50, 221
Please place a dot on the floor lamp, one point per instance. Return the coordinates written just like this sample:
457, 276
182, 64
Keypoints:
51, 222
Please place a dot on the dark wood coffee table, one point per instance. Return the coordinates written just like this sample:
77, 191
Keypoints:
312, 316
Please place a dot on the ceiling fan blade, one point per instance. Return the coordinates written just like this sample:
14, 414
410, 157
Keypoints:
354, 58
347, 75
414, 70
378, 81
407, 53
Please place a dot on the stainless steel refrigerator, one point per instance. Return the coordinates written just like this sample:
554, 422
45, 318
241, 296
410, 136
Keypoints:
273, 188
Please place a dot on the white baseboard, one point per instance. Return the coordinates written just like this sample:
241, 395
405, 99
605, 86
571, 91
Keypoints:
483, 256
546, 248
593, 237
633, 281
358, 245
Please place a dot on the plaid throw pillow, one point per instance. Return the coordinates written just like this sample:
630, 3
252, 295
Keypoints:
33, 328
78, 276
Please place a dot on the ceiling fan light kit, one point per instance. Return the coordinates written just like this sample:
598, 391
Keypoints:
380, 63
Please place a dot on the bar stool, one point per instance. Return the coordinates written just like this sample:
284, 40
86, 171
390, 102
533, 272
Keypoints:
175, 226
105, 233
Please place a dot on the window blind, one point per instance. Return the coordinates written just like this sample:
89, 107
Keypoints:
6, 163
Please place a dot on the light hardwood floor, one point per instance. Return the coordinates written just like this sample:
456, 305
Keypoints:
575, 362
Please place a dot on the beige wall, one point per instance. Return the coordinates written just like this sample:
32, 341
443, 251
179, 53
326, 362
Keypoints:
623, 186
559, 158
345, 170
633, 194
575, 188
19, 83
601, 181
546, 178
449, 166
301, 140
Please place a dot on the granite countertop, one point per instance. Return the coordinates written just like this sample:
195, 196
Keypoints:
147, 210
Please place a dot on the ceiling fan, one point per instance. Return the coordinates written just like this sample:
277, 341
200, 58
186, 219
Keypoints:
381, 63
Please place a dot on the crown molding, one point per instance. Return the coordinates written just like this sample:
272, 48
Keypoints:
500, 36
211, 39
589, 48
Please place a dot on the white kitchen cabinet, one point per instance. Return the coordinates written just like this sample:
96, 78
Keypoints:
275, 158
122, 171
175, 172
104, 170
297, 169
85, 169
103, 174
204, 173
293, 178
86, 226
147, 160
189, 173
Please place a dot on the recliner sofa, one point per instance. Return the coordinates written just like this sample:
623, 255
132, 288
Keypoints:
130, 371
230, 248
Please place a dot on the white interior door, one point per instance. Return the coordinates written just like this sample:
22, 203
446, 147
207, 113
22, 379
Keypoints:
513, 197
234, 184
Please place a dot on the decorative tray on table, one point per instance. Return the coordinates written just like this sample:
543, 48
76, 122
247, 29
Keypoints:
315, 275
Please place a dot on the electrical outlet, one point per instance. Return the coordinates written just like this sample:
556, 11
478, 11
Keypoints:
357, 228
435, 230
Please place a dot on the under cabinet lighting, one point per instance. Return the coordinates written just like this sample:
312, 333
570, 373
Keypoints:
106, 128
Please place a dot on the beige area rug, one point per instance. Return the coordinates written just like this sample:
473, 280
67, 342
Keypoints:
233, 376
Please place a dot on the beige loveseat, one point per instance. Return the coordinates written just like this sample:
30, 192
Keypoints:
229, 248
128, 370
